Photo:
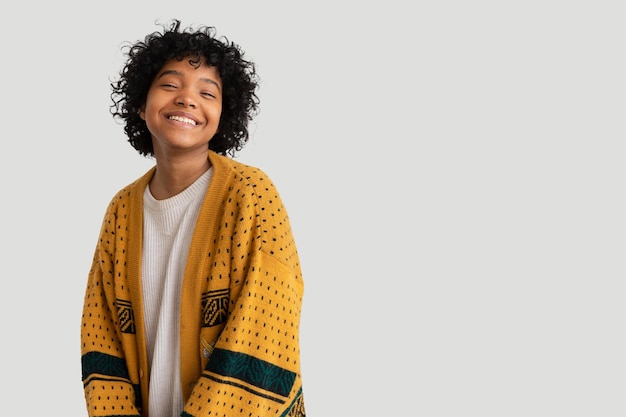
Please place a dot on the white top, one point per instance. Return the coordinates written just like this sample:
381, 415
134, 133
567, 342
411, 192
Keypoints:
167, 230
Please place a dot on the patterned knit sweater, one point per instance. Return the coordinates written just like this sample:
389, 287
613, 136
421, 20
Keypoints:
240, 305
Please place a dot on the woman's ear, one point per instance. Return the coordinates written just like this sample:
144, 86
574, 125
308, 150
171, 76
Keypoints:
142, 112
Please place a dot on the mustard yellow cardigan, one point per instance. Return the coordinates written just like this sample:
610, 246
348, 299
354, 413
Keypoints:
240, 305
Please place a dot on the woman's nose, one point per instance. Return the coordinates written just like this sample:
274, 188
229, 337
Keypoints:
185, 99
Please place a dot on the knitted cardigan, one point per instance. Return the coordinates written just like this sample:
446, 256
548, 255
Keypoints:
240, 305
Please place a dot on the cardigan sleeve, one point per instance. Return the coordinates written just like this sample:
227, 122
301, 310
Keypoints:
108, 339
107, 386
254, 367
251, 367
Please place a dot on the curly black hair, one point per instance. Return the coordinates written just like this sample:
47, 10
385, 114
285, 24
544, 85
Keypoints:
240, 102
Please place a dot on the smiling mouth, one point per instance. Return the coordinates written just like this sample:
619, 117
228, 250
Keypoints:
183, 120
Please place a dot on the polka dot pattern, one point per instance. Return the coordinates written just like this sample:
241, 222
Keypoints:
240, 305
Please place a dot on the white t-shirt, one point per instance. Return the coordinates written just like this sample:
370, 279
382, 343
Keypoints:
168, 226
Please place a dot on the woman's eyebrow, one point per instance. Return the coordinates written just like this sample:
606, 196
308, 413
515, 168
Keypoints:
170, 72
210, 81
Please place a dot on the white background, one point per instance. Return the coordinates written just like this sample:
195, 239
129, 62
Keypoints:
454, 173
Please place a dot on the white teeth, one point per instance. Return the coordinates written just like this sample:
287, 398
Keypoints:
183, 120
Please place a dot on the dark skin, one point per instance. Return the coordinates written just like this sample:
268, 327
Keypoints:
182, 112
148, 57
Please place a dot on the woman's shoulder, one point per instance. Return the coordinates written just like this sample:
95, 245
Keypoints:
241, 172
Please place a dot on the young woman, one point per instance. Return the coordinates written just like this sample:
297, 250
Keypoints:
193, 302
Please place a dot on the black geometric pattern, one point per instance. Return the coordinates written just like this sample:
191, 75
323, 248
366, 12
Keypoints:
215, 307
103, 367
252, 371
103, 364
125, 316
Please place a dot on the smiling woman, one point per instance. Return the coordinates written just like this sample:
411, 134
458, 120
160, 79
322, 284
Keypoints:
182, 113
194, 296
